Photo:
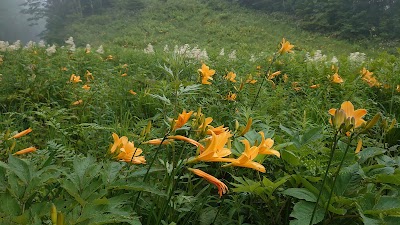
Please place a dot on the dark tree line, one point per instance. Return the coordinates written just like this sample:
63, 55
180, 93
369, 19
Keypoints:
59, 13
343, 18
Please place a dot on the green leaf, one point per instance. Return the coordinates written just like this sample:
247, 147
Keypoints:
388, 179
162, 98
303, 210
388, 203
73, 191
136, 186
393, 136
312, 135
9, 205
370, 152
290, 157
300, 193
19, 167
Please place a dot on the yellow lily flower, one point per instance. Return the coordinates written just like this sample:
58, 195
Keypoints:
80, 101
182, 119
337, 79
127, 150
206, 74
75, 79
188, 140
216, 130
117, 142
246, 159
215, 149
231, 77
273, 75
86, 87
158, 142
231, 96
266, 145
286, 47
222, 188
348, 109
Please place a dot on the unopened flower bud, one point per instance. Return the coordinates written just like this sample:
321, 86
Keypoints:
339, 118
53, 214
373, 121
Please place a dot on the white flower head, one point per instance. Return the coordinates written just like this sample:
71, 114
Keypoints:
41, 44
222, 52
334, 60
166, 48
15, 46
149, 49
51, 50
232, 55
357, 57
30, 44
253, 58
71, 44
100, 50
3, 46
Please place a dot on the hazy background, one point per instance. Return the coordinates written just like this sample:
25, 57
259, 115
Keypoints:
14, 25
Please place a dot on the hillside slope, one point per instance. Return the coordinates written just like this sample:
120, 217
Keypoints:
209, 24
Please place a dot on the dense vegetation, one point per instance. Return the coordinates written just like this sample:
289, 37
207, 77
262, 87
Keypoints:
348, 19
216, 121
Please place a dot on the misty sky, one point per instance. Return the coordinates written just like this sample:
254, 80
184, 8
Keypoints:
14, 25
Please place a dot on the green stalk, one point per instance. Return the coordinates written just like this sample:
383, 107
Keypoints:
262, 82
150, 165
335, 141
337, 173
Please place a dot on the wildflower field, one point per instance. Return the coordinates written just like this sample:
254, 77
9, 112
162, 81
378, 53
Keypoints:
173, 133
177, 135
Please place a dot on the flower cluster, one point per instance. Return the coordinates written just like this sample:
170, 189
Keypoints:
125, 150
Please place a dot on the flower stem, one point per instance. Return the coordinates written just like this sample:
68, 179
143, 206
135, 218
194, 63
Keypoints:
335, 141
337, 173
150, 165
262, 82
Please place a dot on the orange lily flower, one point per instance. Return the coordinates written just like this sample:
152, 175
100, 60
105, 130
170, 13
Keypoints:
78, 102
86, 87
273, 75
127, 151
337, 79
75, 79
246, 159
188, 140
158, 141
216, 130
314, 86
231, 77
349, 111
26, 150
206, 74
215, 149
117, 142
285, 47
231, 96
182, 119
22, 133
266, 145
222, 188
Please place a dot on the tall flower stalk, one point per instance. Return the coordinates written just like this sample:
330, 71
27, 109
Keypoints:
286, 47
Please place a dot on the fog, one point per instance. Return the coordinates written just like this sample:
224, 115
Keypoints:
15, 26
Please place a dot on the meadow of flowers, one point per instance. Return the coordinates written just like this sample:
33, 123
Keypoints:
179, 135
